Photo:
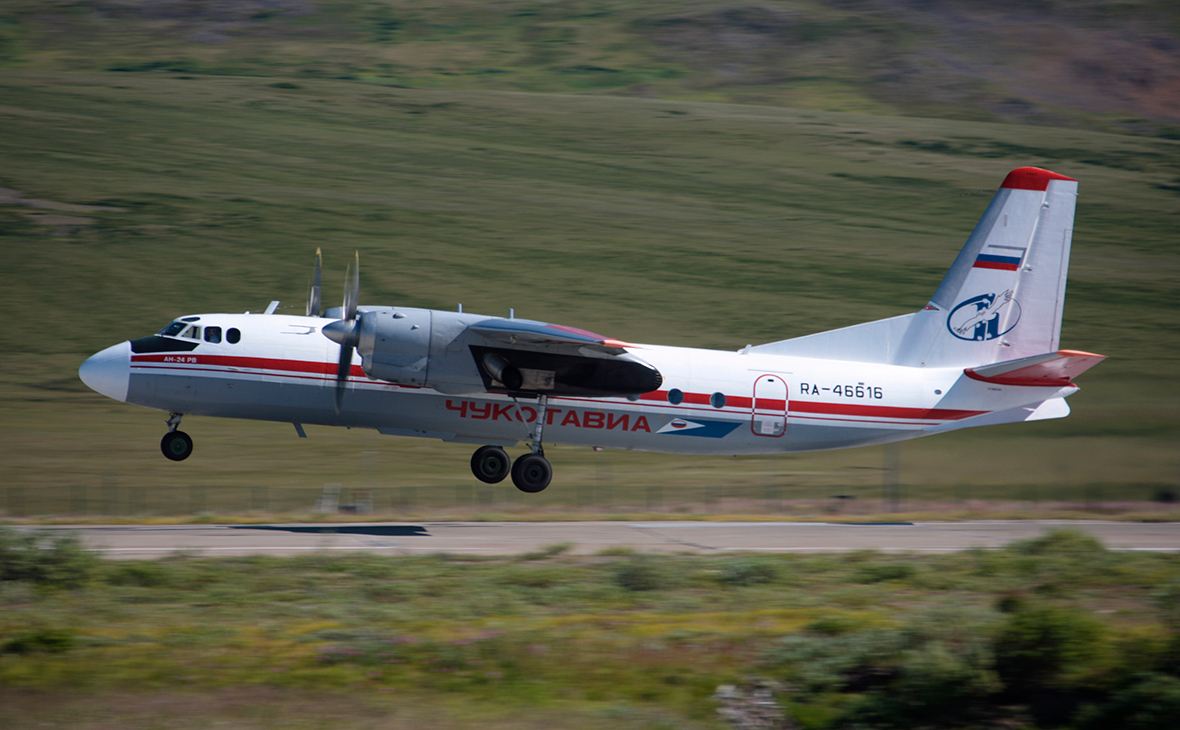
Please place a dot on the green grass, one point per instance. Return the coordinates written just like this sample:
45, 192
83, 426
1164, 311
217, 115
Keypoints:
640, 639
680, 223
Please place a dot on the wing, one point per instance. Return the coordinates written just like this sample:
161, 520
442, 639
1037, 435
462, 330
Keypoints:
525, 357
527, 332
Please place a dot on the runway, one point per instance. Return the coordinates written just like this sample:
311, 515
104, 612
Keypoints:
515, 538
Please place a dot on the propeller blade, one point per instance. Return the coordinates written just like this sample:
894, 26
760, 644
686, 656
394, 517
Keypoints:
313, 296
352, 288
342, 372
345, 332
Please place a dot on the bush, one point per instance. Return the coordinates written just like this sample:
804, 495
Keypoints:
832, 626
747, 572
1151, 702
1040, 645
878, 572
935, 686
44, 559
640, 573
49, 641
817, 664
1072, 543
139, 573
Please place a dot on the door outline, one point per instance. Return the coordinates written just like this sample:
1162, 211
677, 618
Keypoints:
768, 407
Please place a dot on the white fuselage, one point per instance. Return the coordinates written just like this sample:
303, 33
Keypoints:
711, 402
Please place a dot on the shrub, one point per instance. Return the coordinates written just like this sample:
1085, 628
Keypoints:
1151, 702
1041, 644
1060, 542
817, 664
747, 572
934, 687
144, 574
640, 573
878, 572
45, 559
49, 641
832, 626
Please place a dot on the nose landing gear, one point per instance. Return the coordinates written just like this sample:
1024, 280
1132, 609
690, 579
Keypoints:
176, 445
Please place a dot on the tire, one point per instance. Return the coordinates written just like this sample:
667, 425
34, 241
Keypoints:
176, 445
531, 473
490, 464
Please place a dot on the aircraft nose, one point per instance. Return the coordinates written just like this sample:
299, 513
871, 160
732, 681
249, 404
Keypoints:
109, 372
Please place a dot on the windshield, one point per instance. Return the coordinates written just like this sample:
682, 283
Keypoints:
173, 329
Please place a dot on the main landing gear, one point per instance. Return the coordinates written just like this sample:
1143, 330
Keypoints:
530, 473
176, 445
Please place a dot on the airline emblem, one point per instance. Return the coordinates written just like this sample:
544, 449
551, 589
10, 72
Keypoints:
982, 317
704, 428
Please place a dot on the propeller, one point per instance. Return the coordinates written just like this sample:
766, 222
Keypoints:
346, 332
313, 294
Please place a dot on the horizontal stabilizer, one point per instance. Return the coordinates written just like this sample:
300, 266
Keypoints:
1048, 370
1052, 408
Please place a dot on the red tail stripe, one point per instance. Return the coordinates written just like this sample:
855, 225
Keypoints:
1031, 178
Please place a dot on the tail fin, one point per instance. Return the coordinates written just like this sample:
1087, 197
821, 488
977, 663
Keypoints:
1003, 297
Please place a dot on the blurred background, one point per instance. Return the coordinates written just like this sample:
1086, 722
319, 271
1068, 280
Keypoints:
688, 172
683, 172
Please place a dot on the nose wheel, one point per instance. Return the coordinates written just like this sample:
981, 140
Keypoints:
176, 445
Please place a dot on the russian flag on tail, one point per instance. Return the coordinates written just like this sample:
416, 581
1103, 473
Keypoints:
992, 261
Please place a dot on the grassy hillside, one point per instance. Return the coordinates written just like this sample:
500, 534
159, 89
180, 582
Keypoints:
136, 197
1095, 63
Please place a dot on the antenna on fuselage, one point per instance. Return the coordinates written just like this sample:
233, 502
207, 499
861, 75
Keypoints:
313, 294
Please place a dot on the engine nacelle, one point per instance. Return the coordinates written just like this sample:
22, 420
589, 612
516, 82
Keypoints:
395, 345
435, 349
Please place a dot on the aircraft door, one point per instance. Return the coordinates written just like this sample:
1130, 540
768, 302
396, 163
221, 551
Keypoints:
769, 417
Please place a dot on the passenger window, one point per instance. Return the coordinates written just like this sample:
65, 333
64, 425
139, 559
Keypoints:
172, 330
232, 335
192, 333
213, 334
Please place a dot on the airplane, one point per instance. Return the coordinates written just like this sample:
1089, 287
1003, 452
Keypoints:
984, 350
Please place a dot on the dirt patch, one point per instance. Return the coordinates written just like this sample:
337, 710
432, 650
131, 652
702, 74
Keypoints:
60, 225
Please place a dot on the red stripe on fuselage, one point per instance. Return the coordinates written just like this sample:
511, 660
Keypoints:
327, 370
855, 409
256, 363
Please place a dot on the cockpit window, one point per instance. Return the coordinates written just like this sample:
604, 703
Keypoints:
172, 330
213, 334
192, 333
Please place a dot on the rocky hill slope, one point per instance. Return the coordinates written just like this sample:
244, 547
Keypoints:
1090, 63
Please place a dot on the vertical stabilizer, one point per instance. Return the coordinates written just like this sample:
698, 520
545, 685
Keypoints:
1003, 297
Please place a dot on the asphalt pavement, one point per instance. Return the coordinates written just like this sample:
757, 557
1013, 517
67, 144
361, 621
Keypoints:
514, 538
